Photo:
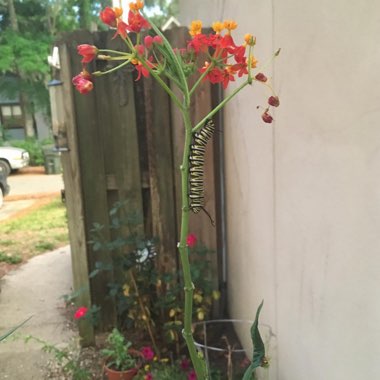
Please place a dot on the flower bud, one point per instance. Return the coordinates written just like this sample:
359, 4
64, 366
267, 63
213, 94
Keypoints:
266, 117
148, 42
261, 77
274, 101
158, 40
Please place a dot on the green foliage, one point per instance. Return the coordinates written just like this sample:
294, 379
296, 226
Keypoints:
259, 359
117, 352
35, 149
10, 259
139, 281
67, 358
11, 331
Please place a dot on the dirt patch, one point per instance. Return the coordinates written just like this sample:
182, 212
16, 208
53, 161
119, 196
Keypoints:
40, 201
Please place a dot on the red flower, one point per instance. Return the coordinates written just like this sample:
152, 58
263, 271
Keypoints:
274, 101
110, 15
88, 52
81, 312
199, 43
227, 76
83, 82
147, 353
184, 364
122, 29
136, 22
241, 69
266, 117
148, 42
191, 240
158, 40
148, 376
191, 375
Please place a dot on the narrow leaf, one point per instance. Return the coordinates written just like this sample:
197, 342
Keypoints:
258, 347
258, 344
11, 331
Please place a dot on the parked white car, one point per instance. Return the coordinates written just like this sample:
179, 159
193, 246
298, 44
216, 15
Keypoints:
13, 158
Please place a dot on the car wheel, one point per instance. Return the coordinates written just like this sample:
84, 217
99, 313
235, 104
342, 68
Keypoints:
5, 168
1, 197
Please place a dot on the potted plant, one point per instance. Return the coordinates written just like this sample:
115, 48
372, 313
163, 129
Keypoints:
121, 361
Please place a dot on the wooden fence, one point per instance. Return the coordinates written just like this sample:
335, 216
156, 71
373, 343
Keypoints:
124, 142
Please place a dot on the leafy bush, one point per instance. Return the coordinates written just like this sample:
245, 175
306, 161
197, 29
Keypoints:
34, 148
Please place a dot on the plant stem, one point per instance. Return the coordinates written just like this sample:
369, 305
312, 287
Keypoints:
146, 317
219, 107
197, 360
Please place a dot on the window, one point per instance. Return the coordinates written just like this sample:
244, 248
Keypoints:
11, 116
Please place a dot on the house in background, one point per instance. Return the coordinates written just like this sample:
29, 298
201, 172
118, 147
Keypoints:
16, 124
303, 194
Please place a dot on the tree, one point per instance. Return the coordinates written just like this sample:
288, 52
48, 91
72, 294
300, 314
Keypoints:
27, 31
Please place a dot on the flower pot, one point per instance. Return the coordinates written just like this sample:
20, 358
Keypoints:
112, 374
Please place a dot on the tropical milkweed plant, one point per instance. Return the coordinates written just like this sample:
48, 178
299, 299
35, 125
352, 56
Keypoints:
151, 54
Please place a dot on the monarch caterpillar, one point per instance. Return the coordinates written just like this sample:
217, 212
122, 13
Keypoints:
197, 160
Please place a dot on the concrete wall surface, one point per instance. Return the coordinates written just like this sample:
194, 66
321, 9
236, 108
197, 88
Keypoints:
303, 195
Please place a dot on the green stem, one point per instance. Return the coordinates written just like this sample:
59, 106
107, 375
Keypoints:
219, 106
111, 51
161, 82
210, 66
100, 73
197, 360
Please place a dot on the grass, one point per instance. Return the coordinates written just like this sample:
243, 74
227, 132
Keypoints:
42, 229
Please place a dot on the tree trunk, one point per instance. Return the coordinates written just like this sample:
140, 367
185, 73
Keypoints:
12, 15
85, 14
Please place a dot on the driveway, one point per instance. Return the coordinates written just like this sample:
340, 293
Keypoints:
28, 187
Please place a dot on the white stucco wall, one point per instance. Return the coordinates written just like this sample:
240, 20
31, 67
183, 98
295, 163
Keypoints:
303, 196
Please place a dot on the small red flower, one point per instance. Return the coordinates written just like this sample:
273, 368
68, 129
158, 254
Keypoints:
261, 77
88, 52
266, 117
81, 312
136, 22
158, 40
148, 376
191, 375
147, 353
184, 364
110, 15
83, 82
191, 240
148, 42
274, 101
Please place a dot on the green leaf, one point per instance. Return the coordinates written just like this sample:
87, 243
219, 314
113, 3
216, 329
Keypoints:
11, 331
258, 347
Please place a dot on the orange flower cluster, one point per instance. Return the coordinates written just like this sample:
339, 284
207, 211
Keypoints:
225, 60
228, 59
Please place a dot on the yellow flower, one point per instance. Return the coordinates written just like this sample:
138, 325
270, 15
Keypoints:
201, 314
195, 28
249, 40
135, 7
172, 313
147, 367
126, 290
254, 61
217, 26
118, 12
164, 360
230, 25
216, 294
198, 298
